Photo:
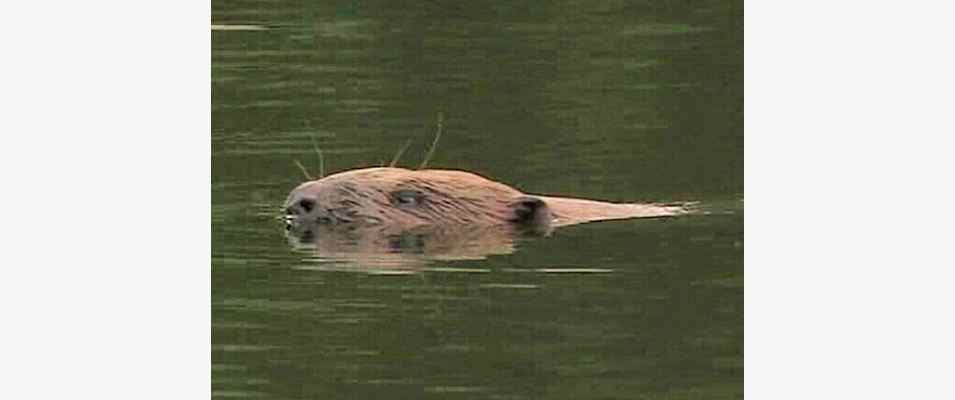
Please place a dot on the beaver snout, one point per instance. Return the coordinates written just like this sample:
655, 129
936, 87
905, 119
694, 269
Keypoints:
297, 211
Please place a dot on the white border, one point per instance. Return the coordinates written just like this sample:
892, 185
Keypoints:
848, 169
105, 289
848, 175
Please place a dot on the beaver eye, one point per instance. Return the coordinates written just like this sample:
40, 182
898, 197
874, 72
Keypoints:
307, 204
406, 197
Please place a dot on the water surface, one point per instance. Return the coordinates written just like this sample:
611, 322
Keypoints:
622, 101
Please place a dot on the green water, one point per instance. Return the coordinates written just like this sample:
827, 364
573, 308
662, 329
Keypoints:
623, 101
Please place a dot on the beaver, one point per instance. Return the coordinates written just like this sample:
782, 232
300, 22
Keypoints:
397, 217
434, 211
408, 199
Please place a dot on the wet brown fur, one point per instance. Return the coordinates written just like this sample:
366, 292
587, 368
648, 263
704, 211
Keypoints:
407, 199
391, 217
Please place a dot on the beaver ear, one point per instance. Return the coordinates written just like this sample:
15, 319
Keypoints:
532, 214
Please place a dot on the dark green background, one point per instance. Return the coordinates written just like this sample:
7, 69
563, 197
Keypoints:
626, 101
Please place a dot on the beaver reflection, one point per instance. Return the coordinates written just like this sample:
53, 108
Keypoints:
432, 214
381, 246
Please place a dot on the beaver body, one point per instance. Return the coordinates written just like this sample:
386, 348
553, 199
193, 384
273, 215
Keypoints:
391, 217
403, 199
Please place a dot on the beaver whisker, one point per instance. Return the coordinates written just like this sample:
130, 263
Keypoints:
304, 171
321, 161
434, 144
401, 151
321, 158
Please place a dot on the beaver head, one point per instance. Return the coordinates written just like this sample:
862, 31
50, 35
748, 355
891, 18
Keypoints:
403, 199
